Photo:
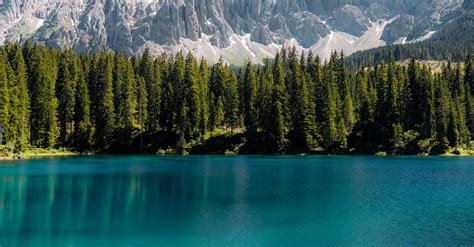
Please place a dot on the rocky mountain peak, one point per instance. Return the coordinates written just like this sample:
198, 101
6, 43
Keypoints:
234, 29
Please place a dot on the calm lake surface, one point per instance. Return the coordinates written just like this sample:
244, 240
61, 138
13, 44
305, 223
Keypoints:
229, 201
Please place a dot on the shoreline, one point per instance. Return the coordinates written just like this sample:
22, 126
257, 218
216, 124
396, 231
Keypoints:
30, 155
63, 154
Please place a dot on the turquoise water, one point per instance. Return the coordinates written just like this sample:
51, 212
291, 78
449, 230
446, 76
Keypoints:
237, 201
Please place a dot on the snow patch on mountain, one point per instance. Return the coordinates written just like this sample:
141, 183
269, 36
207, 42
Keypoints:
237, 30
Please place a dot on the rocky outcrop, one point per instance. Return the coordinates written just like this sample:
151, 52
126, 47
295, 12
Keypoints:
255, 27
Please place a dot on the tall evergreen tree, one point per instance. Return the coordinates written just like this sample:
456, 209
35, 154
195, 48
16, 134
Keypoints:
469, 93
4, 98
264, 97
44, 104
167, 111
181, 107
326, 108
231, 96
119, 75
84, 133
150, 71
249, 96
141, 105
66, 93
192, 94
204, 95
19, 66
278, 117
130, 95
105, 110
216, 91
302, 125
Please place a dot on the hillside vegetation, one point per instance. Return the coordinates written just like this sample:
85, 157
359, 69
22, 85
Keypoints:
108, 103
451, 43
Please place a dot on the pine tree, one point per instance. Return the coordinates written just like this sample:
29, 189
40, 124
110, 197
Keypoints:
84, 133
313, 78
216, 90
10, 131
105, 112
141, 105
167, 111
181, 107
469, 93
22, 122
460, 106
365, 113
264, 97
231, 96
119, 75
348, 112
154, 94
279, 101
66, 93
43, 72
249, 96
326, 108
441, 109
204, 95
150, 71
4, 98
391, 109
453, 130
302, 125
192, 94
129, 97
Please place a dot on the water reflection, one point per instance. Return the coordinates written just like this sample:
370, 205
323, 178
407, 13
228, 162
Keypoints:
223, 201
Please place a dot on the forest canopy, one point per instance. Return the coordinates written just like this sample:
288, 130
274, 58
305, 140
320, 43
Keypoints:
106, 102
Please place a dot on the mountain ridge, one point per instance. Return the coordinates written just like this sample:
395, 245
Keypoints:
237, 30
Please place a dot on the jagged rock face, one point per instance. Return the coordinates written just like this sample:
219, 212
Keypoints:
212, 28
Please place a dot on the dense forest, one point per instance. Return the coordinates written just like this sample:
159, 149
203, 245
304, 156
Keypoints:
452, 42
106, 102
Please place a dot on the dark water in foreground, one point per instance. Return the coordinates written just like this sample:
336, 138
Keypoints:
228, 201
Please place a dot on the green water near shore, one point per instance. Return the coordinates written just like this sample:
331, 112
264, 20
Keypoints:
237, 201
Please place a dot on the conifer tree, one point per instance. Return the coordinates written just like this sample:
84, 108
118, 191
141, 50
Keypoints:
469, 93
441, 109
326, 108
119, 75
44, 104
204, 95
4, 98
105, 110
181, 107
216, 89
129, 96
365, 113
302, 125
313, 67
151, 73
141, 103
167, 111
84, 133
231, 96
278, 128
264, 98
249, 96
66, 94
22, 108
192, 94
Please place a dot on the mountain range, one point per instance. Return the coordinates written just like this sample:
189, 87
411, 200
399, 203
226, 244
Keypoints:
236, 30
